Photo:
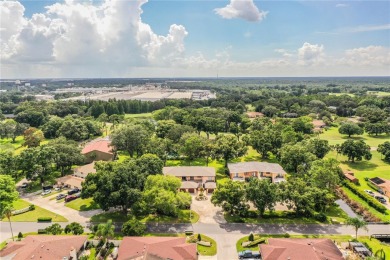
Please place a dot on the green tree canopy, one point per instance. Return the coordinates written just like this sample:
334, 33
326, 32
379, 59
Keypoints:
350, 128
8, 193
228, 147
263, 194
356, 150
230, 195
132, 139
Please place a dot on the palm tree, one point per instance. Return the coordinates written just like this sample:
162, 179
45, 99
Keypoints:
8, 213
105, 231
357, 223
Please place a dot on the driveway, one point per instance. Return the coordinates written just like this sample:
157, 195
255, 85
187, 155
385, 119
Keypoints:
60, 208
208, 213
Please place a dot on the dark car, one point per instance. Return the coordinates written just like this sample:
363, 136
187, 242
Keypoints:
24, 185
381, 199
247, 254
70, 198
73, 191
47, 187
60, 196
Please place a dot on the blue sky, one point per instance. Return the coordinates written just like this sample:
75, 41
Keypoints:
260, 38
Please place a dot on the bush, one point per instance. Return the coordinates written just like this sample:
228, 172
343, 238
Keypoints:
372, 186
199, 237
42, 231
133, 227
251, 237
31, 207
20, 235
286, 235
44, 219
320, 217
256, 242
188, 232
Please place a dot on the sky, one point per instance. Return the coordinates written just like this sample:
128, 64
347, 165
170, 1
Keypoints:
202, 38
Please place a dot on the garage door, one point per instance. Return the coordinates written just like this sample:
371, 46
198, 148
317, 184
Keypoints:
210, 190
191, 190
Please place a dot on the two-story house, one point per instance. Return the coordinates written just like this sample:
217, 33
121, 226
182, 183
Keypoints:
193, 177
243, 171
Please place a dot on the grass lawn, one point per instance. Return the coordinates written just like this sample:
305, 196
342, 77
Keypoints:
7, 145
375, 245
207, 250
33, 215
378, 93
286, 217
336, 238
184, 217
141, 116
82, 204
92, 254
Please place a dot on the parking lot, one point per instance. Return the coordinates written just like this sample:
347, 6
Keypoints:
375, 194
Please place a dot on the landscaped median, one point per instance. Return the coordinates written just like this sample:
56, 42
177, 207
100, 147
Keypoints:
118, 216
33, 215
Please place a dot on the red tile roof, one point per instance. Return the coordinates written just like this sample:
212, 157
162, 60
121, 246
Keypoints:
174, 248
98, 145
43, 247
298, 249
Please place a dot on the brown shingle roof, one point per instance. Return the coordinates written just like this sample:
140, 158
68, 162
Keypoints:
182, 171
318, 123
350, 177
174, 248
254, 167
43, 247
254, 114
210, 185
299, 248
189, 185
100, 145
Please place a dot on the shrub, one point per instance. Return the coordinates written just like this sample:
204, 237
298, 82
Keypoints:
42, 231
286, 235
133, 227
31, 207
251, 237
188, 232
320, 217
20, 235
44, 219
199, 237
256, 242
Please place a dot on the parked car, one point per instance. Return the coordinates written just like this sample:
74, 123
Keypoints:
248, 254
381, 199
58, 188
60, 196
45, 192
24, 185
73, 191
370, 192
47, 187
70, 198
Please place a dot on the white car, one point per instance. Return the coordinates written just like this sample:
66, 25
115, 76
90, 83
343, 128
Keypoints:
370, 192
45, 192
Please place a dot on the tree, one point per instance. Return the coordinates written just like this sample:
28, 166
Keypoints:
133, 227
319, 147
54, 229
228, 147
296, 158
37, 162
384, 149
115, 184
74, 228
377, 128
356, 150
73, 129
303, 125
192, 145
270, 111
150, 164
350, 128
67, 153
325, 174
31, 117
265, 141
32, 137
8, 213
50, 128
131, 138
357, 224
105, 231
8, 193
230, 195
12, 129
262, 193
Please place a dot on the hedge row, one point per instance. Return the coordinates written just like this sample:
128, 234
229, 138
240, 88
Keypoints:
256, 242
46, 219
372, 186
367, 198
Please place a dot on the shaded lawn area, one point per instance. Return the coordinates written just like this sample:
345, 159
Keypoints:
354, 197
184, 217
288, 217
7, 145
33, 215
82, 204
140, 116
336, 238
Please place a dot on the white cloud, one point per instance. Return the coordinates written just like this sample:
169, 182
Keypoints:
310, 54
244, 9
366, 28
341, 5
373, 56
81, 36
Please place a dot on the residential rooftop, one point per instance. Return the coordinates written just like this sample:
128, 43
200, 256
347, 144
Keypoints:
255, 167
189, 171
